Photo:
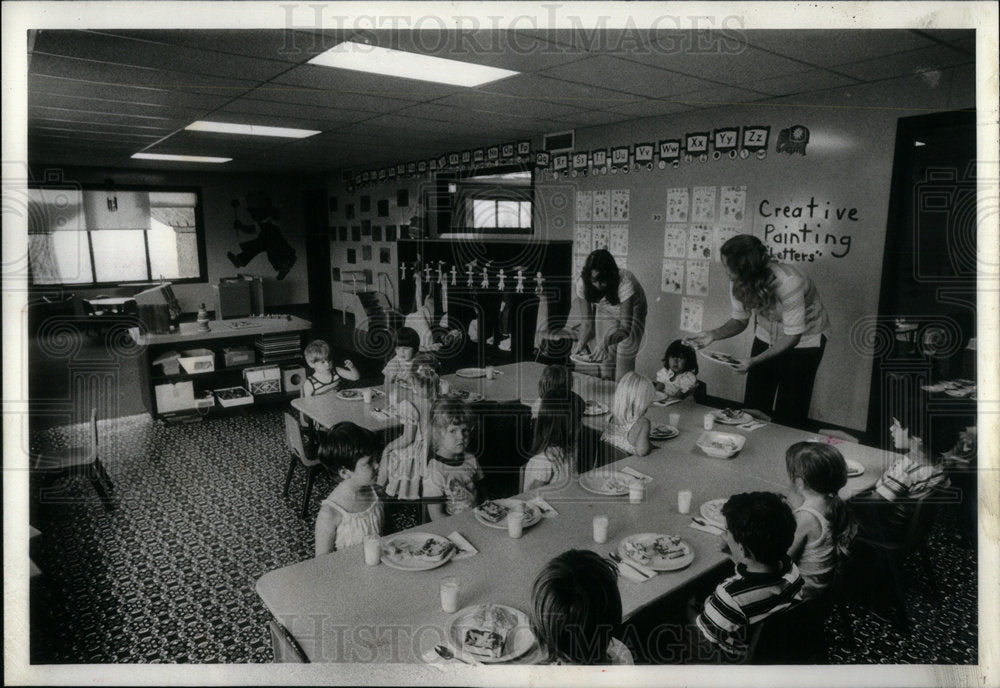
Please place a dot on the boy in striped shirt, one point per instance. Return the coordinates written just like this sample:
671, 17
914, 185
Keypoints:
760, 528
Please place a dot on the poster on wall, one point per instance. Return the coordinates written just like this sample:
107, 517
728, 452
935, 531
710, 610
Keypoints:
619, 205
602, 205
584, 205
601, 236
723, 233
579, 259
581, 237
697, 278
677, 204
732, 203
267, 237
674, 241
691, 314
672, 276
700, 240
619, 240
703, 203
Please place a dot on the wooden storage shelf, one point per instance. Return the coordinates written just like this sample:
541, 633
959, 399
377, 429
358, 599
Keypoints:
221, 335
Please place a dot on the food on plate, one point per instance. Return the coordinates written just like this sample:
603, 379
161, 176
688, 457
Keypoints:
348, 394
432, 549
490, 626
731, 413
722, 358
723, 443
615, 484
663, 547
492, 512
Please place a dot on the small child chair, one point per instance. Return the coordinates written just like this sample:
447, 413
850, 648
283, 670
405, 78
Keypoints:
299, 455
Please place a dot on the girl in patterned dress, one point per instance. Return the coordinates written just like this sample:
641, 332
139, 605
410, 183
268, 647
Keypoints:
404, 458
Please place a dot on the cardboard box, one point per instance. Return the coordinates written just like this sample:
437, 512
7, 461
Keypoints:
233, 396
174, 396
238, 355
263, 380
197, 361
171, 362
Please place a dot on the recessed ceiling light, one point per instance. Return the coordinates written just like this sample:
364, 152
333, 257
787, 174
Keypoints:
371, 58
250, 129
178, 158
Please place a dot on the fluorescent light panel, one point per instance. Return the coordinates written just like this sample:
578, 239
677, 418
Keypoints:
370, 58
178, 158
250, 129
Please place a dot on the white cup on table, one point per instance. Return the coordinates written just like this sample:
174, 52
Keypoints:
684, 501
366, 394
491, 372
444, 386
636, 492
600, 529
675, 419
515, 522
708, 421
449, 594
373, 550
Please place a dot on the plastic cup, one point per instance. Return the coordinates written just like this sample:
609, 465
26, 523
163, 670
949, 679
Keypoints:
684, 501
445, 386
515, 523
449, 594
366, 394
675, 419
637, 492
600, 529
373, 550
708, 421
491, 372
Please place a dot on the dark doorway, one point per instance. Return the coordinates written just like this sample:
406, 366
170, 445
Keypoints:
318, 258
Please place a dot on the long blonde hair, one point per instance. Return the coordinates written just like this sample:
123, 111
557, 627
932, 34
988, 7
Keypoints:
632, 398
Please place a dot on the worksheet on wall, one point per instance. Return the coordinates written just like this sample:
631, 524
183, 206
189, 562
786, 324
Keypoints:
723, 233
677, 204
601, 236
578, 261
602, 205
581, 238
700, 239
619, 205
691, 314
674, 241
584, 205
703, 204
672, 277
619, 240
697, 278
732, 203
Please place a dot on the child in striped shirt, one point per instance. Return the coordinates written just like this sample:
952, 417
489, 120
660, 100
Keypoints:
760, 528
914, 475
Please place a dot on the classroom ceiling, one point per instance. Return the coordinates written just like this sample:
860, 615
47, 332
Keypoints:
97, 97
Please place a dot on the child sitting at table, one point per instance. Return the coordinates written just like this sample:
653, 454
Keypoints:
556, 382
452, 474
760, 529
576, 610
401, 470
398, 368
824, 526
628, 428
326, 377
679, 374
353, 509
557, 431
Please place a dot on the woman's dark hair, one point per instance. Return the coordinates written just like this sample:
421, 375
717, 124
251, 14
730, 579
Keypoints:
763, 523
678, 349
607, 269
407, 336
343, 445
823, 469
747, 256
576, 608
558, 424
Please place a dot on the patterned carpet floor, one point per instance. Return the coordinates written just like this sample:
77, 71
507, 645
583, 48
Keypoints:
169, 575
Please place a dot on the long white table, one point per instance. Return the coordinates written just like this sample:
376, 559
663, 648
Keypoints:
340, 610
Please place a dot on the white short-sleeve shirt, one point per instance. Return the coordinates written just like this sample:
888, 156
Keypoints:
797, 309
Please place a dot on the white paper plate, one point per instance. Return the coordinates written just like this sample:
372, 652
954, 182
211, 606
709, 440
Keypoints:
471, 372
663, 432
721, 417
519, 640
854, 469
531, 513
595, 408
719, 357
350, 394
657, 563
597, 482
408, 563
711, 511
465, 395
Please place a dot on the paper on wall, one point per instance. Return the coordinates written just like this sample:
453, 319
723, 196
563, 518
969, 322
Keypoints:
601, 236
723, 233
619, 240
584, 206
602, 205
703, 204
677, 204
621, 261
691, 313
672, 276
732, 203
619, 205
697, 278
581, 238
578, 261
700, 240
674, 241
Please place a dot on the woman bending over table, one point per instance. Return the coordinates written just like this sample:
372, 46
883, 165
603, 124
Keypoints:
790, 329
613, 307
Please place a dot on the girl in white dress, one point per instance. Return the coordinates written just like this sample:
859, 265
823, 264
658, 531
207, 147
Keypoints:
353, 510
628, 428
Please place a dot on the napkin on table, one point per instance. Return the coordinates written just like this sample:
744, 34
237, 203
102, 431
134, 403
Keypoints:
628, 470
544, 507
752, 425
626, 571
465, 548
667, 402
710, 529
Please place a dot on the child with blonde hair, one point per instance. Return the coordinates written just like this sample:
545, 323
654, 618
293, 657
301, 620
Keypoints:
403, 460
557, 432
452, 474
628, 428
326, 377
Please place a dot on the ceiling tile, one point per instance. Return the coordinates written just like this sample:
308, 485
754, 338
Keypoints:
309, 117
293, 46
590, 118
68, 104
829, 47
557, 91
624, 75
643, 107
738, 67
327, 98
719, 96
900, 64
350, 82
802, 82
505, 104
38, 115
157, 98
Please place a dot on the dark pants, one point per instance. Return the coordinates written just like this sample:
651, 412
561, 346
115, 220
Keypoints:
782, 387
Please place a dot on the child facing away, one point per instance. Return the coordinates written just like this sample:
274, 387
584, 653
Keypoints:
452, 474
628, 428
407, 342
326, 377
553, 449
576, 610
760, 529
679, 374
824, 526
556, 382
402, 466
353, 509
